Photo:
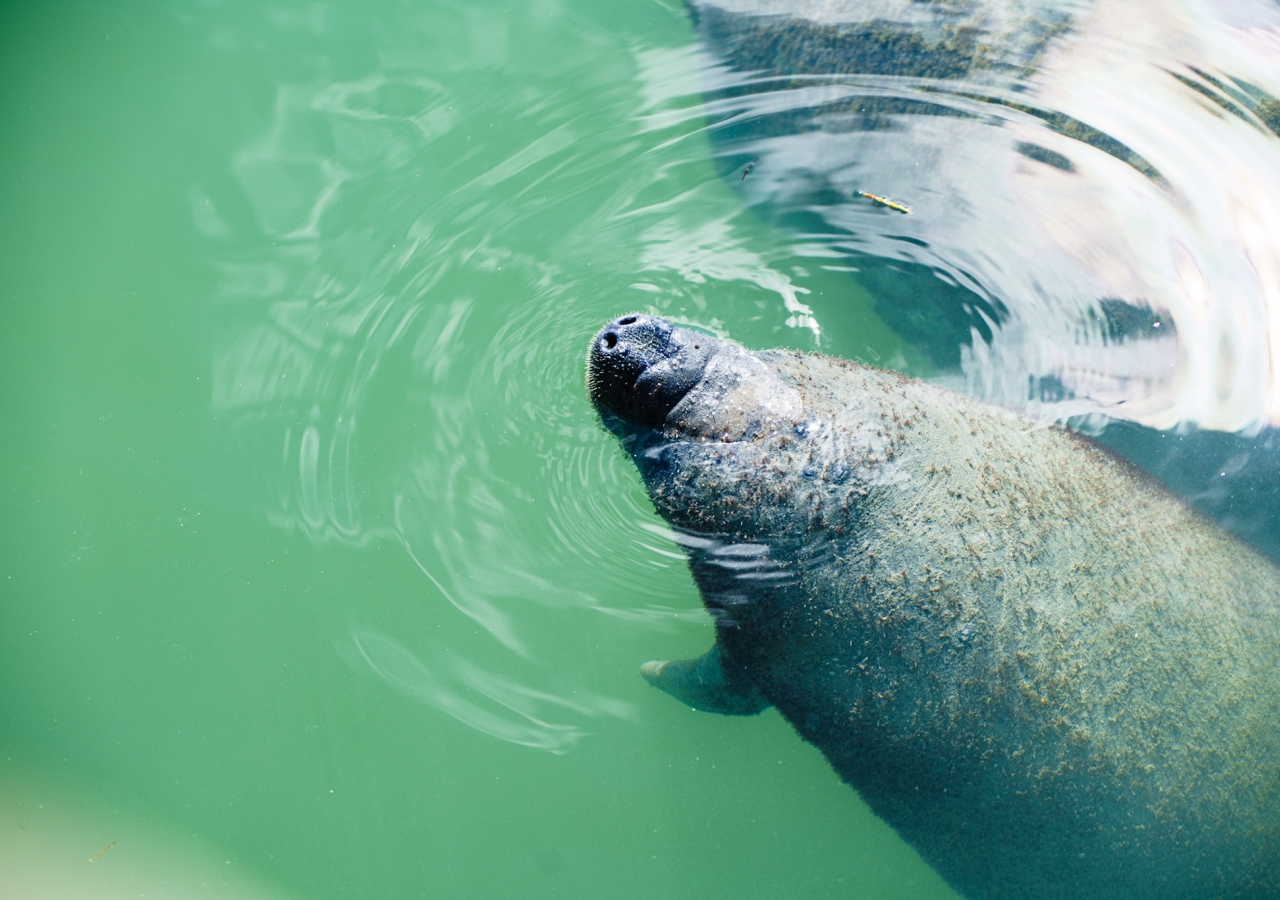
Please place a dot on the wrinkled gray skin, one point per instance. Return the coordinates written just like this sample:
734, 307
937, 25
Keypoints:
1051, 677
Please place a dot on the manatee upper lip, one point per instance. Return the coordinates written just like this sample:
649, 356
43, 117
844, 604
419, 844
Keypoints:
641, 366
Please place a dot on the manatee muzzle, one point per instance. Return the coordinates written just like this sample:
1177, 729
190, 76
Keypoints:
641, 366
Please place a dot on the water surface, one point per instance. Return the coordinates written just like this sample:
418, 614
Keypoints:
313, 550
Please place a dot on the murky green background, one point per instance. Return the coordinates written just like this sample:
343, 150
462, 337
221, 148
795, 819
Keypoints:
312, 549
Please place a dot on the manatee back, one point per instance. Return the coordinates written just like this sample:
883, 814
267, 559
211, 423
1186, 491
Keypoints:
1048, 674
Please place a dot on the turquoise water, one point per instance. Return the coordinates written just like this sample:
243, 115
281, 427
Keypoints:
297, 300
320, 578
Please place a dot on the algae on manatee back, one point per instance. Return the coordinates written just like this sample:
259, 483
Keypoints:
1049, 675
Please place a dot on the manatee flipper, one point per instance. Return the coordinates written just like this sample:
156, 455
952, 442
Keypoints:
706, 684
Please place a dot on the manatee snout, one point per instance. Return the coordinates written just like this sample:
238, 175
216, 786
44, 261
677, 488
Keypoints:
641, 366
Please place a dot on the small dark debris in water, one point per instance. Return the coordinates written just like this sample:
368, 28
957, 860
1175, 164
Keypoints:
1046, 156
98, 855
747, 171
885, 201
21, 826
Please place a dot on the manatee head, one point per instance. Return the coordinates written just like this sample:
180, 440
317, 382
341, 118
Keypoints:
641, 367
734, 446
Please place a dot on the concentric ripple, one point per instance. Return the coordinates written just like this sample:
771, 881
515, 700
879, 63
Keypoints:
409, 289
1066, 208
415, 256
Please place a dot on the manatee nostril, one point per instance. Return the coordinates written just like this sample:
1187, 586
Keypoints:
641, 366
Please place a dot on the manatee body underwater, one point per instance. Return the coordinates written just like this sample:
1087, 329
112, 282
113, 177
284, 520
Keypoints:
1050, 676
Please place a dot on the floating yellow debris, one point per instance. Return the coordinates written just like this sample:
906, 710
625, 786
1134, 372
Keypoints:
98, 855
885, 201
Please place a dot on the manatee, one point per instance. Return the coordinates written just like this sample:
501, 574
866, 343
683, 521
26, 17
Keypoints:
1049, 675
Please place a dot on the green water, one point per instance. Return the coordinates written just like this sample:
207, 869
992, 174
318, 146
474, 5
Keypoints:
319, 578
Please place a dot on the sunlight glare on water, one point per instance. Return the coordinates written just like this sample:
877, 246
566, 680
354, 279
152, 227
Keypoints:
1075, 187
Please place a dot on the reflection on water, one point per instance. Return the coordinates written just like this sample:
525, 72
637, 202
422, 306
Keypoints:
411, 261
428, 683
1094, 188
394, 308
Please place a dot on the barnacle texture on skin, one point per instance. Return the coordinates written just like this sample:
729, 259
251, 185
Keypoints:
1049, 675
